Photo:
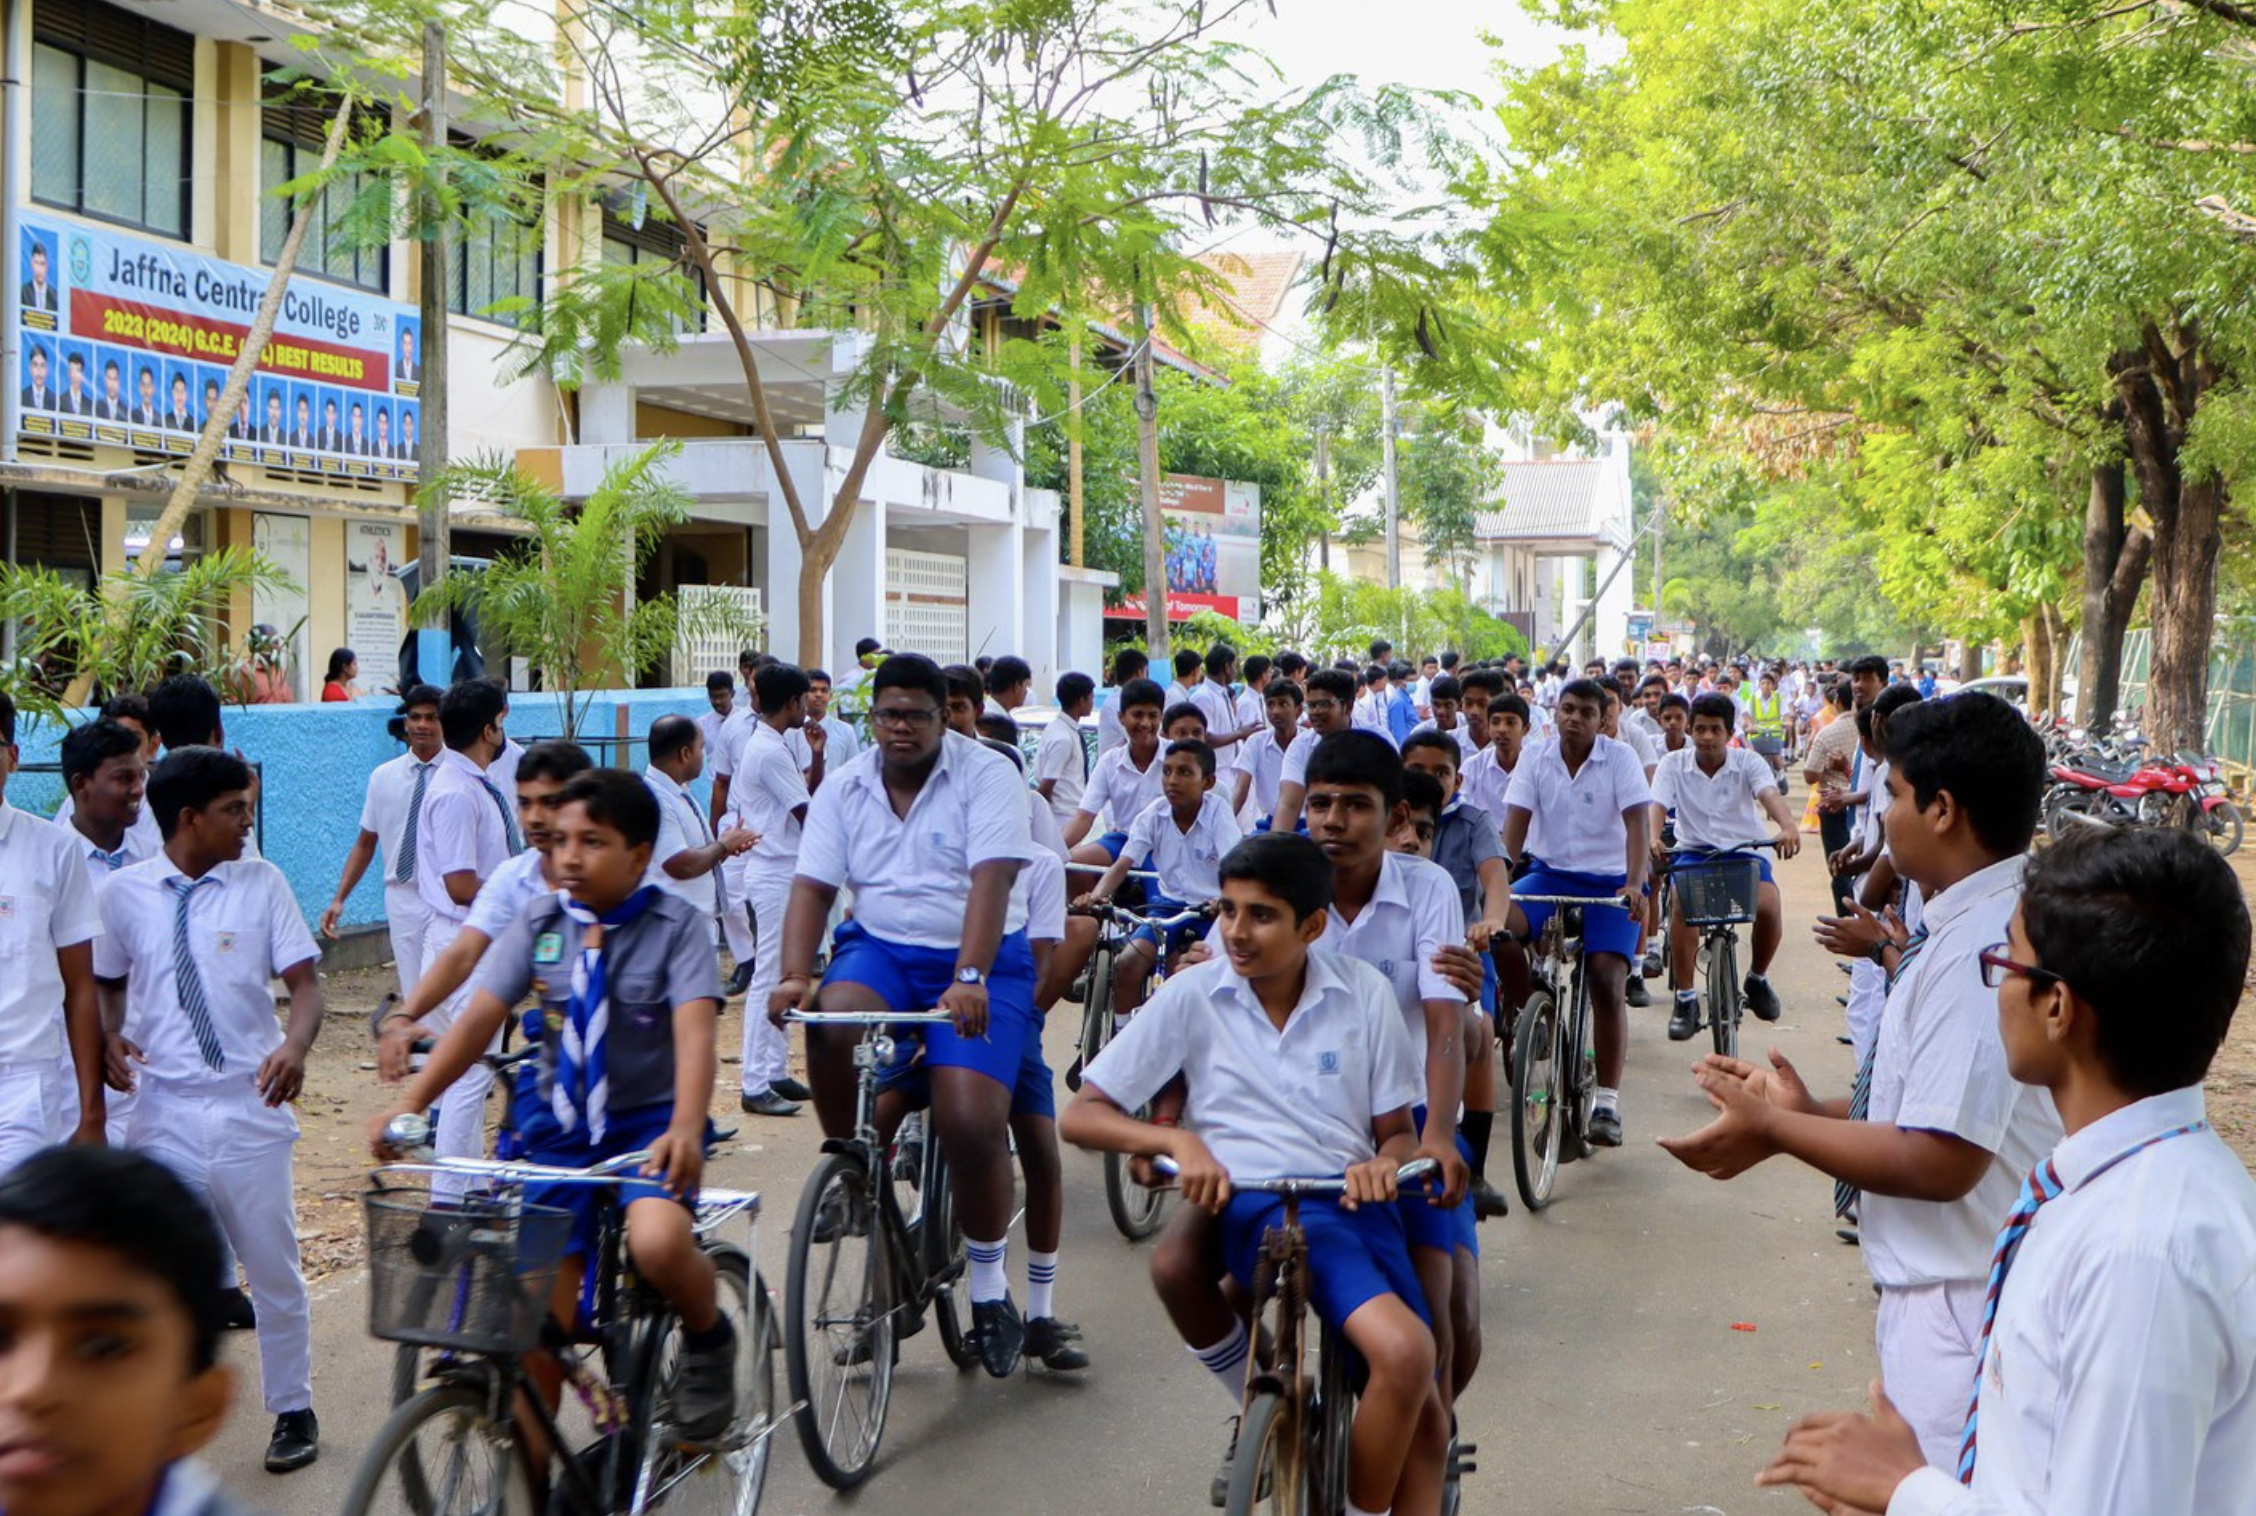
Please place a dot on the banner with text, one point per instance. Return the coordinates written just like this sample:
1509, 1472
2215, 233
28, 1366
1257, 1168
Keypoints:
128, 342
1213, 549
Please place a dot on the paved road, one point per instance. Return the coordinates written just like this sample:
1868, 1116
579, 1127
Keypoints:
1614, 1379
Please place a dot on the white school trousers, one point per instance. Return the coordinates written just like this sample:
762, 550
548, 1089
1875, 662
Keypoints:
767, 1047
232, 1151
406, 918
1868, 996
460, 1131
736, 924
38, 1107
1927, 1335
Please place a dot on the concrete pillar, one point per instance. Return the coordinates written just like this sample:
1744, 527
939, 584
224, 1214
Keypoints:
1038, 571
857, 587
607, 412
1080, 628
783, 557
994, 587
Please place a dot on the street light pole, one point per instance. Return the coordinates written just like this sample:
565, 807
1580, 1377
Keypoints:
1393, 489
434, 647
1155, 540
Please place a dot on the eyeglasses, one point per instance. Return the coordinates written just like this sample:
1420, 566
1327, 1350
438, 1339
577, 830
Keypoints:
908, 720
1997, 968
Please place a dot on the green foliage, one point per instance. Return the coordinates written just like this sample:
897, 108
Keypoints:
172, 623
562, 602
1345, 615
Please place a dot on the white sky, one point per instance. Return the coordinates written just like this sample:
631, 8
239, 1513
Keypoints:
1433, 44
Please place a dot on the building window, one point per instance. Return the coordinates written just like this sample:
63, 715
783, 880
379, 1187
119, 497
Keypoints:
657, 245
295, 130
498, 258
109, 115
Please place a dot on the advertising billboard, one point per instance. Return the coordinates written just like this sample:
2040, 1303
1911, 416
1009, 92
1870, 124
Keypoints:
1212, 551
128, 342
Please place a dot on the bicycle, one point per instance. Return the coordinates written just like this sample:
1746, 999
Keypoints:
471, 1277
1717, 894
1554, 1062
862, 1273
1136, 1208
1293, 1428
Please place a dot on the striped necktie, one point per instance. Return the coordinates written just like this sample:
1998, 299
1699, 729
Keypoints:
1860, 1094
508, 816
111, 861
403, 867
187, 980
582, 1090
700, 827
2042, 1185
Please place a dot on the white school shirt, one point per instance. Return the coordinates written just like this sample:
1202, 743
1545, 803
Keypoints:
1262, 762
1938, 1066
2121, 1373
133, 846
1061, 757
1369, 715
839, 745
1043, 880
243, 930
1268, 1103
384, 811
1188, 863
768, 787
1413, 913
1110, 733
681, 827
143, 834
727, 748
46, 904
1221, 713
1575, 821
1649, 750
710, 722
1120, 790
503, 898
1485, 782
1461, 734
503, 771
1639, 719
1178, 693
1293, 767
911, 875
462, 830
1252, 708
1723, 810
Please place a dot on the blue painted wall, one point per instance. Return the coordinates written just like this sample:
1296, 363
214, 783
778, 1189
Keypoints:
315, 760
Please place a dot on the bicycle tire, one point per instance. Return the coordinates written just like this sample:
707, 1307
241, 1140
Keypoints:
861, 1340
1580, 1077
1538, 1104
1256, 1475
945, 1264
396, 1449
1096, 1009
1136, 1209
730, 1473
1334, 1422
1724, 996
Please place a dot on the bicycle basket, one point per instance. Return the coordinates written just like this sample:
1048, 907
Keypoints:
1718, 892
473, 1275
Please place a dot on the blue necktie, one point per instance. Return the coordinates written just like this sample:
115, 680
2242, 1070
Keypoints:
508, 816
187, 982
111, 861
583, 1076
403, 867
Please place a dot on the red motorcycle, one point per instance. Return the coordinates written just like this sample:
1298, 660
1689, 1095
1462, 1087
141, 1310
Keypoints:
2187, 792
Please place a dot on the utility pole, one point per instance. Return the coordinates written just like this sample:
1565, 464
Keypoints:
1660, 524
1155, 527
1393, 489
434, 647
1073, 449
1324, 494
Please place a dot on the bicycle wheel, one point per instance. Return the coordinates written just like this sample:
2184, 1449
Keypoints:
1096, 1014
941, 1245
1136, 1209
1334, 1413
1258, 1474
722, 1477
441, 1454
1724, 994
838, 1322
1538, 1106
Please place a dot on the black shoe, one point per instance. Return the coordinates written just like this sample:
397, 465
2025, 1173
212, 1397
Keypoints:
704, 1398
1684, 1020
1651, 967
1000, 1333
1051, 1343
236, 1313
296, 1442
790, 1089
1637, 994
1605, 1128
767, 1103
1488, 1200
1073, 1074
740, 981
1762, 999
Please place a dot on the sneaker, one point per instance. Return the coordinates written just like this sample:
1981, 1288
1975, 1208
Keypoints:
236, 1312
1651, 967
296, 1442
1051, 1343
704, 1397
791, 1089
1000, 1333
908, 1150
1488, 1200
1605, 1128
1684, 1019
767, 1103
832, 1221
1637, 995
1762, 999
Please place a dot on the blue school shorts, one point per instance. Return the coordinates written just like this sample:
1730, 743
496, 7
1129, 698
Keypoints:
1354, 1256
1426, 1222
1605, 928
1178, 938
909, 978
624, 1132
1114, 844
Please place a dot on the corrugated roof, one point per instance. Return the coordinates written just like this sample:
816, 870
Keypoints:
1254, 290
1556, 498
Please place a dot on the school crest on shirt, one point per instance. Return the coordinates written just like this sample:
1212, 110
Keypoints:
7, 907
1328, 1063
223, 942
1386, 967
548, 949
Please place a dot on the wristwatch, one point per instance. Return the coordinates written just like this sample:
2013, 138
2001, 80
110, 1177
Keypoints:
1879, 953
969, 975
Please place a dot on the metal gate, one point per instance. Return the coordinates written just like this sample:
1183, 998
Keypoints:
925, 604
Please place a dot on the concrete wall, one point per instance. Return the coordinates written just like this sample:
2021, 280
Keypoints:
315, 761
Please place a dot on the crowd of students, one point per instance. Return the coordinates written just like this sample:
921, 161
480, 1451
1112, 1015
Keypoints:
2031, 1036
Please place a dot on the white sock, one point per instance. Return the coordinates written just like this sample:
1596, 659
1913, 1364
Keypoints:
1688, 997
1602, 1100
1119, 1021
1758, 978
1226, 1361
988, 1281
1355, 1510
1041, 1283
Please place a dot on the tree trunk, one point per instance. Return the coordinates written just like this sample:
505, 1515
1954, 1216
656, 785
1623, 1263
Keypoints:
2162, 387
2115, 563
2037, 656
1969, 662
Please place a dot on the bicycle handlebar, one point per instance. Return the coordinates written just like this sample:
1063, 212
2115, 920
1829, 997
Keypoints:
1416, 1168
869, 1018
609, 1171
1615, 901
500, 1063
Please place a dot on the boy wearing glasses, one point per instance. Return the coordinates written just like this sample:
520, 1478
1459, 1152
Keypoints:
1936, 1133
2119, 1369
